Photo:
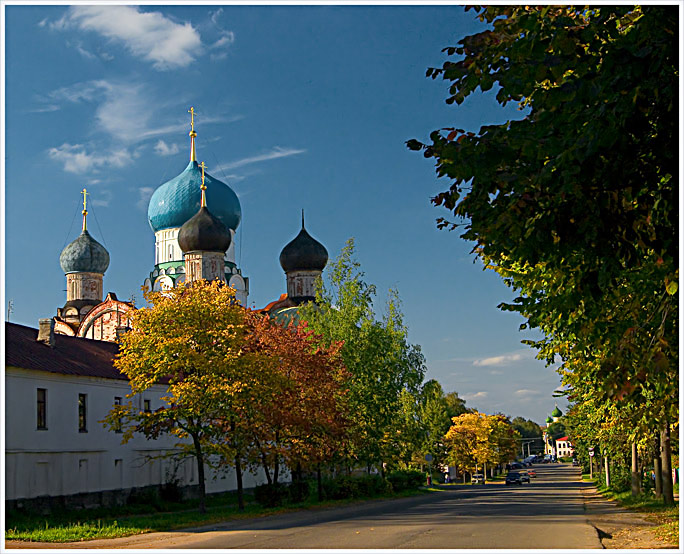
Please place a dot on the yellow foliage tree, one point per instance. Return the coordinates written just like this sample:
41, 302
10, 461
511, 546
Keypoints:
191, 338
476, 438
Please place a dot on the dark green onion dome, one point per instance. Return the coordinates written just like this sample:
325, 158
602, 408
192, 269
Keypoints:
177, 200
303, 253
549, 419
84, 254
204, 232
556, 412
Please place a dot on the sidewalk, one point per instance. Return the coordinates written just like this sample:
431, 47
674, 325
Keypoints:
618, 527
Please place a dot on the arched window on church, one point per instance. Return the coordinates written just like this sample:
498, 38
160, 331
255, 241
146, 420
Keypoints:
170, 251
73, 289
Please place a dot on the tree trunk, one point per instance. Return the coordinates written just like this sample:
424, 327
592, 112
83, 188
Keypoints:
319, 482
658, 472
666, 457
238, 477
199, 456
238, 472
636, 480
607, 464
269, 479
264, 461
276, 469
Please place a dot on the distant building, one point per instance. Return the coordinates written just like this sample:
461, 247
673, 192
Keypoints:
564, 448
549, 444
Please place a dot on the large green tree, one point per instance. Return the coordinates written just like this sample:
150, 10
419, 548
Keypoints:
575, 204
380, 360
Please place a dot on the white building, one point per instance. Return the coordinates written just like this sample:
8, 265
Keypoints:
58, 390
564, 448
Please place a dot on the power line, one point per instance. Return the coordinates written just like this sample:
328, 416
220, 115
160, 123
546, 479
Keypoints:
70, 226
92, 207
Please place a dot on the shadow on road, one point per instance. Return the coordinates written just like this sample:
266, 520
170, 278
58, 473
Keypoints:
555, 495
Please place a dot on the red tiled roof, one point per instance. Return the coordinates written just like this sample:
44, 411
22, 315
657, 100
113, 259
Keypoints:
271, 305
562, 439
70, 355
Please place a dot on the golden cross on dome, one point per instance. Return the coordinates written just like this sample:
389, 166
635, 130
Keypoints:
193, 134
203, 187
85, 209
191, 111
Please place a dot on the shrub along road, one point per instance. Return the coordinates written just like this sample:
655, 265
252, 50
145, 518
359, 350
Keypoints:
547, 513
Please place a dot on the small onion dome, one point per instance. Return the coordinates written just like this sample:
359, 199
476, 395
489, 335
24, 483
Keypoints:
84, 254
177, 200
204, 232
556, 412
549, 419
302, 253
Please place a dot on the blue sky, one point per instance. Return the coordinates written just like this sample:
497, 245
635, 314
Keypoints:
298, 107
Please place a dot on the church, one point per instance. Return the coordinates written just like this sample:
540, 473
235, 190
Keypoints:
60, 380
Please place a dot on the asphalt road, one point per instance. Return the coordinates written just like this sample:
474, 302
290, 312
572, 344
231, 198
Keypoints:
547, 513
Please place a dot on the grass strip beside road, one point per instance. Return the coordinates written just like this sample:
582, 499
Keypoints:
666, 518
124, 521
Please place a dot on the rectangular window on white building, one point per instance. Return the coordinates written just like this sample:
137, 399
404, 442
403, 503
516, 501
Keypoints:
41, 407
117, 427
82, 413
146, 406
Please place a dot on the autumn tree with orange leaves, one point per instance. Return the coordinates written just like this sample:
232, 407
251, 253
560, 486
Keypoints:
302, 418
238, 384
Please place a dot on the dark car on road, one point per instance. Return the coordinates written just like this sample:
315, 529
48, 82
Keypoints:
513, 477
524, 477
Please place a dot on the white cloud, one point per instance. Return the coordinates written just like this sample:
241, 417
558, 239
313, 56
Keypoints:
123, 110
77, 160
215, 16
276, 152
163, 149
103, 199
147, 35
85, 53
44, 109
498, 360
226, 38
145, 195
475, 395
527, 392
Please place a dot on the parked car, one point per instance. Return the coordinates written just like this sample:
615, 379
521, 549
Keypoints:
477, 479
516, 465
531, 473
513, 478
524, 477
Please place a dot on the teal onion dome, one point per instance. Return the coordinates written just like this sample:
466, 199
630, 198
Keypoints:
556, 412
204, 232
303, 253
84, 254
178, 200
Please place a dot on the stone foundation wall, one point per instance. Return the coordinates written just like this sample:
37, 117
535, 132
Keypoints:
120, 497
